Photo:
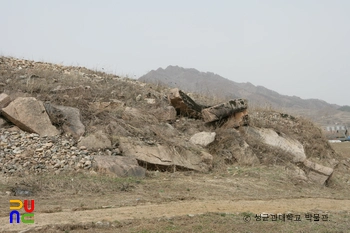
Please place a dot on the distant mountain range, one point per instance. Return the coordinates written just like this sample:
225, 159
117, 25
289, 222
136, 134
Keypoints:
210, 84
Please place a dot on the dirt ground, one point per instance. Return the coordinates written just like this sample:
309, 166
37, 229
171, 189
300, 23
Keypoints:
227, 201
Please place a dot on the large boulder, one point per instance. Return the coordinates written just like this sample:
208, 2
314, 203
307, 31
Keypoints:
224, 110
165, 156
230, 145
30, 115
236, 120
318, 173
97, 140
282, 142
118, 165
68, 117
184, 105
315, 172
203, 138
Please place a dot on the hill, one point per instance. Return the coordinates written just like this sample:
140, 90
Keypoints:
210, 84
116, 148
345, 108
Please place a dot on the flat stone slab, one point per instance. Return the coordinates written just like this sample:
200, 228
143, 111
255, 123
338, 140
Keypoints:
270, 137
165, 156
119, 165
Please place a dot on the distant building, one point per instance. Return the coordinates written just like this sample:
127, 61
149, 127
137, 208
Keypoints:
336, 131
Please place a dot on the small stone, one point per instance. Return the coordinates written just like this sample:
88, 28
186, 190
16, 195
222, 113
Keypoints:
17, 151
139, 97
87, 163
48, 145
150, 101
64, 143
82, 148
57, 165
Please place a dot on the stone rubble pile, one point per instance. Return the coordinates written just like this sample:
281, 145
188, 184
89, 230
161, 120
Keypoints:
28, 153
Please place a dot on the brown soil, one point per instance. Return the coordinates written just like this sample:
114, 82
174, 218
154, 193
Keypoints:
181, 208
177, 202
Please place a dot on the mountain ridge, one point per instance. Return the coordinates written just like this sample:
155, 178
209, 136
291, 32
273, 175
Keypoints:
209, 83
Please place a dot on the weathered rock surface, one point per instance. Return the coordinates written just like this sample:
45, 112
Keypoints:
2, 123
244, 155
184, 105
4, 100
315, 172
233, 148
133, 114
30, 115
237, 119
119, 165
296, 174
224, 110
97, 140
170, 114
68, 117
165, 156
115, 129
284, 143
203, 138
318, 173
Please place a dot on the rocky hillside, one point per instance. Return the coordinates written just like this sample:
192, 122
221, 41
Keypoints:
213, 85
71, 119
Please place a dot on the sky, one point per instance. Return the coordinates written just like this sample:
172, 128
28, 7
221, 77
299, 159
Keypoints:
294, 47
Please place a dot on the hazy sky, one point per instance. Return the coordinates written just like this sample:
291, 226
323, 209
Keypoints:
295, 47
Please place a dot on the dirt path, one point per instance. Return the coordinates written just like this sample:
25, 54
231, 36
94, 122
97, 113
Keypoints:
181, 208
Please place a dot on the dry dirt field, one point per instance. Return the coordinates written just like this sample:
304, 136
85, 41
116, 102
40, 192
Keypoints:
229, 201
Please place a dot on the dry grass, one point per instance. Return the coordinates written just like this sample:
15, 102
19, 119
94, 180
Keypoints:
343, 149
210, 223
314, 141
